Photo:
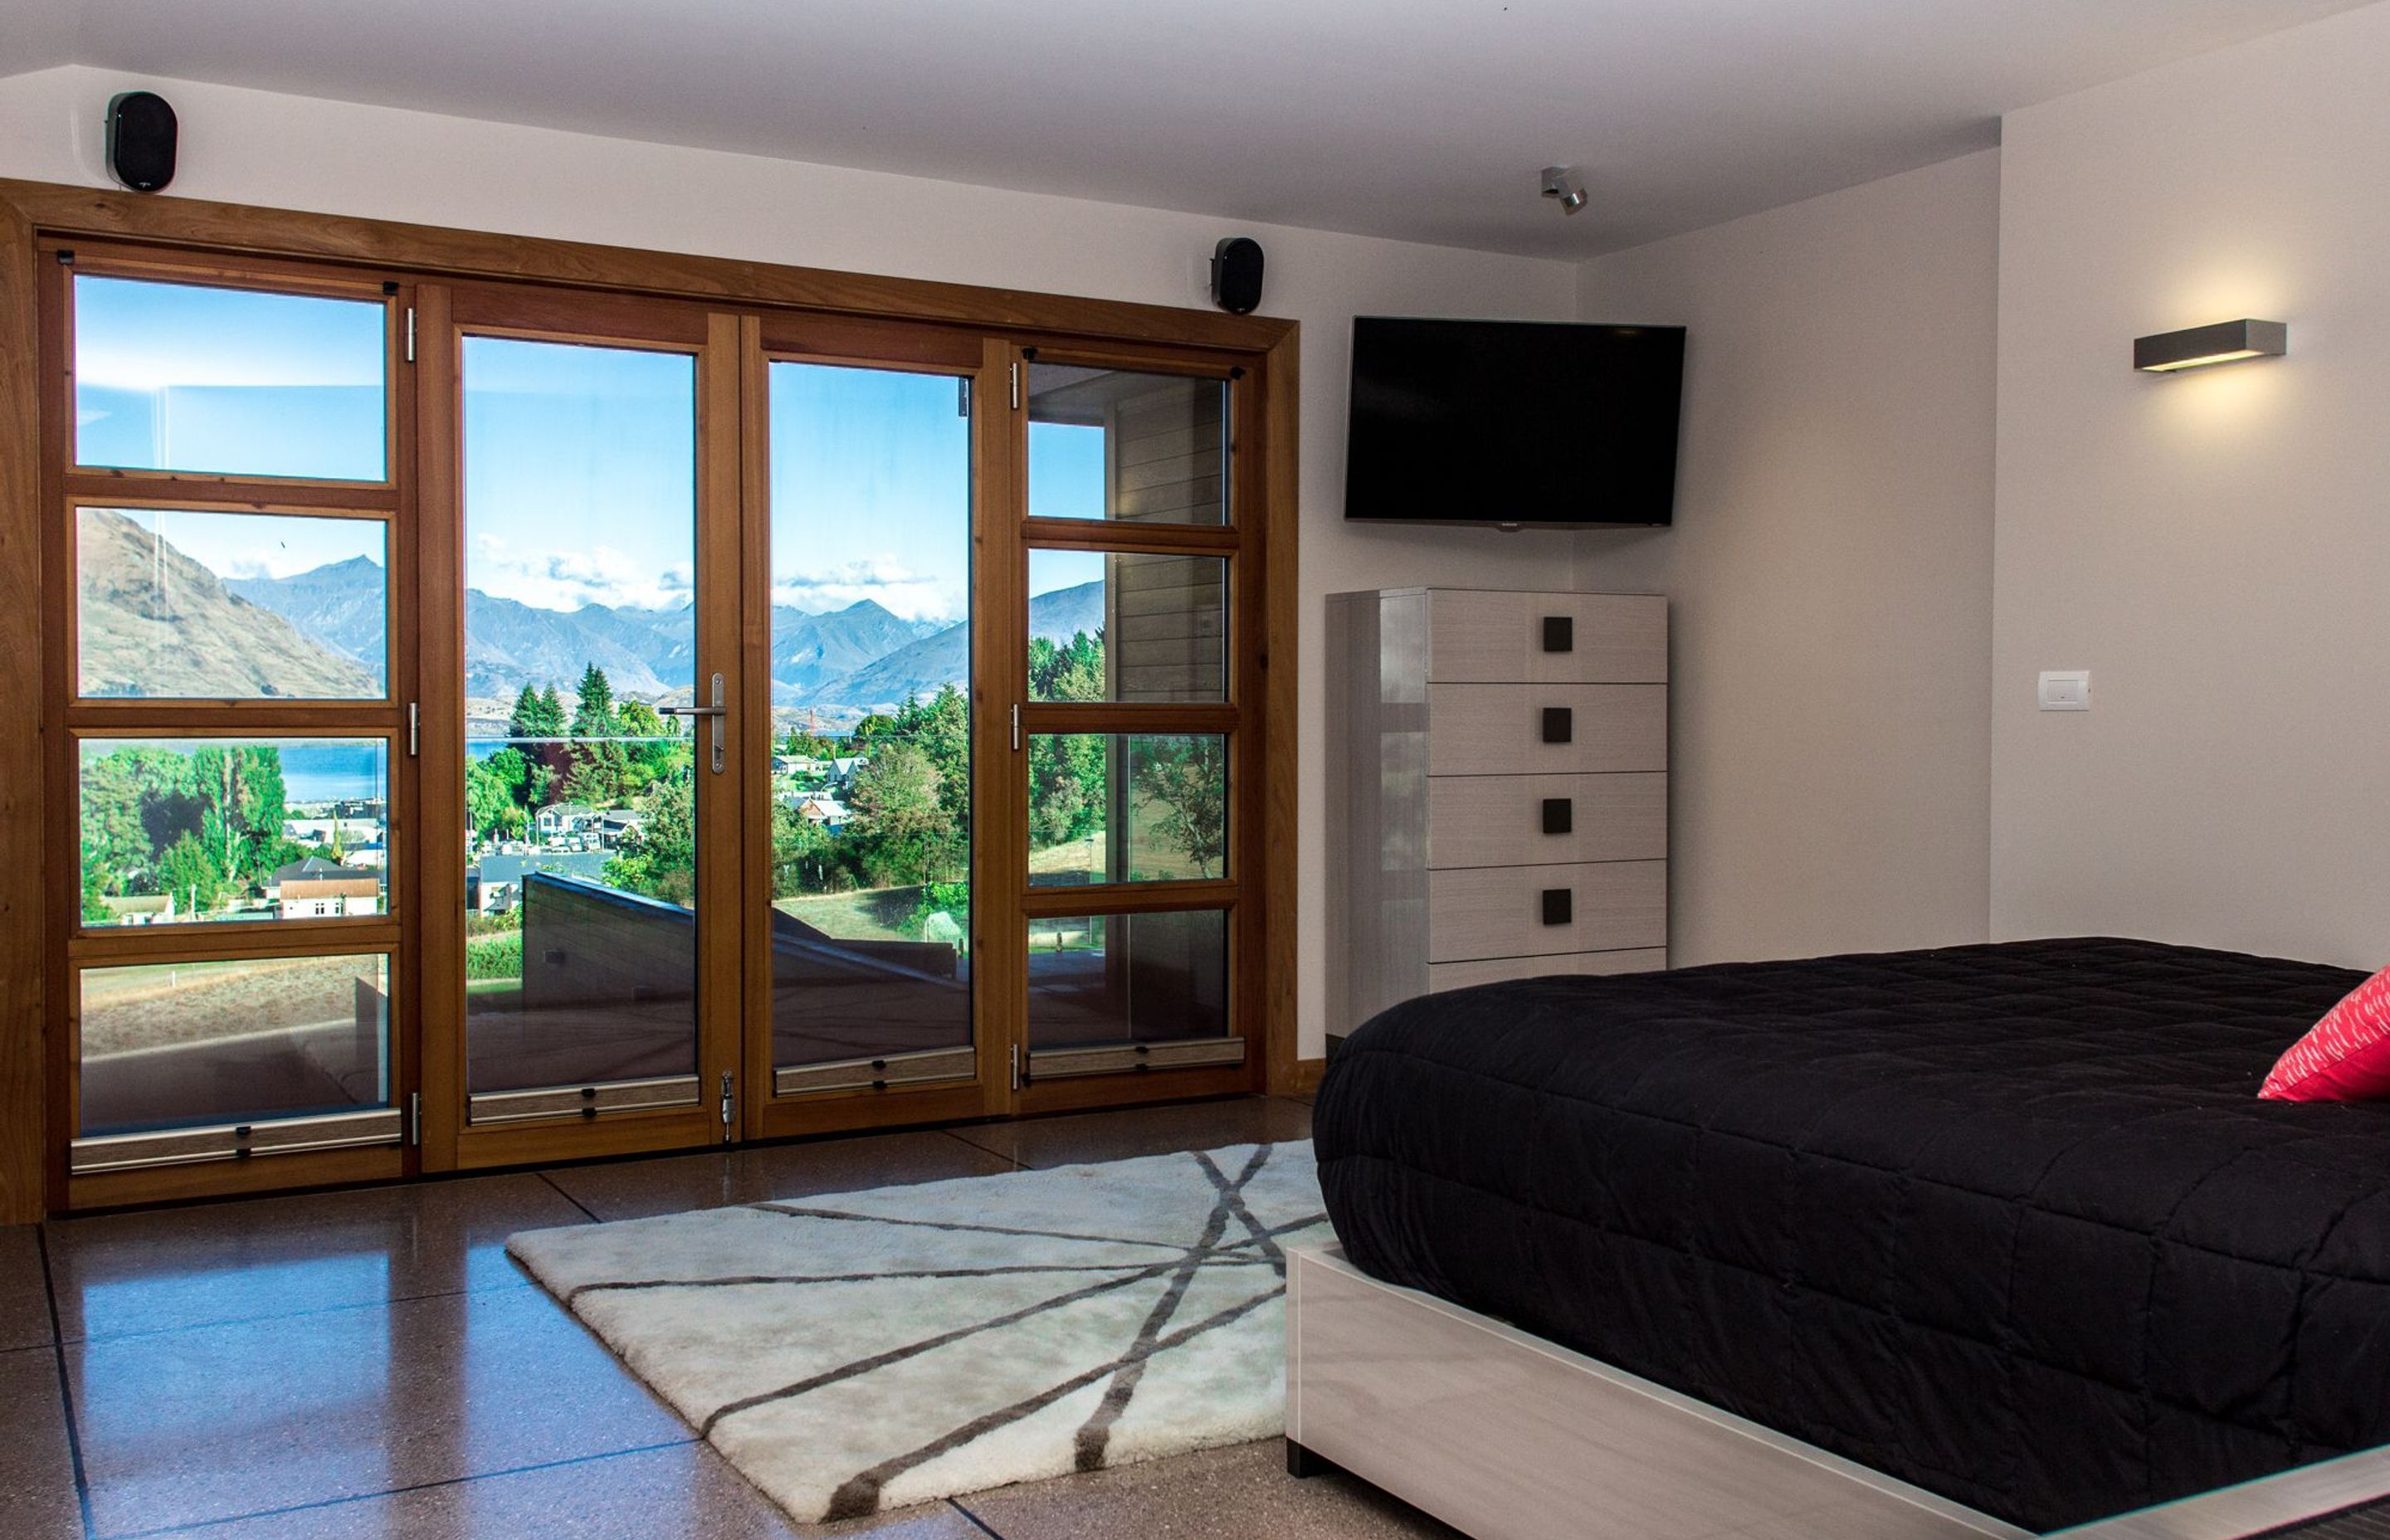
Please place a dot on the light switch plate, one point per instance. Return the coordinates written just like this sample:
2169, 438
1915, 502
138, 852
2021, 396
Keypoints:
2066, 689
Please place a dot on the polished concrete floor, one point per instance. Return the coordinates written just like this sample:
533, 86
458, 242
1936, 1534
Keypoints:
370, 1364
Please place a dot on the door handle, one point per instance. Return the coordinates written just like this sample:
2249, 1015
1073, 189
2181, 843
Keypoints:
717, 711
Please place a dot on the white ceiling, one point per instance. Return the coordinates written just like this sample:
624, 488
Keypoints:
1426, 120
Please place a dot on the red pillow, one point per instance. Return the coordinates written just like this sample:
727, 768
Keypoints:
2346, 1057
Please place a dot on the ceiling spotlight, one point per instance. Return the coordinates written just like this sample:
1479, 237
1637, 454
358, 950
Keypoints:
1563, 183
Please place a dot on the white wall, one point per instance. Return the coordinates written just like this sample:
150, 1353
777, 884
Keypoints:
2214, 546
1830, 565
260, 148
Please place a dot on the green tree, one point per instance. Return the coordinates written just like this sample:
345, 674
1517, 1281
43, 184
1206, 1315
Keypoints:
593, 781
661, 859
1066, 787
242, 805
593, 714
97, 882
945, 898
493, 794
594, 774
535, 715
659, 751
802, 744
940, 727
1074, 671
1184, 780
188, 874
1066, 771
804, 856
136, 803
898, 831
868, 731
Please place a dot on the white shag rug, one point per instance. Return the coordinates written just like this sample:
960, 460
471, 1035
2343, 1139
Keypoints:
870, 1350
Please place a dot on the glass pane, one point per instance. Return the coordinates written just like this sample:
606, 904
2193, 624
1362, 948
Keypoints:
172, 604
231, 381
1128, 977
183, 830
870, 756
1125, 626
1116, 807
1141, 448
171, 1045
581, 870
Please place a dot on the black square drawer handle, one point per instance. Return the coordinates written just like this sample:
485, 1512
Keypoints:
1559, 634
1560, 725
1560, 815
1560, 905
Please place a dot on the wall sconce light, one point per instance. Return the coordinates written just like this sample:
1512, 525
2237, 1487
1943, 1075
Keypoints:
2225, 342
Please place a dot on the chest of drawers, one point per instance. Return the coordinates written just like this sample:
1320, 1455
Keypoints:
1497, 790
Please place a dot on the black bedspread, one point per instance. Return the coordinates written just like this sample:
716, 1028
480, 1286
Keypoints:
2007, 1222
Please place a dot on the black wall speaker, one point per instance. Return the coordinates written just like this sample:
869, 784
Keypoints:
1237, 275
141, 131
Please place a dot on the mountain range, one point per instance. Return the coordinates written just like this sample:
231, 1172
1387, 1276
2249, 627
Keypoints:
151, 621
861, 657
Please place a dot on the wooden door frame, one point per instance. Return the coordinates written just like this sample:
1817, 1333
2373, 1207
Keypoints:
67, 717
32, 973
847, 342
1241, 714
710, 337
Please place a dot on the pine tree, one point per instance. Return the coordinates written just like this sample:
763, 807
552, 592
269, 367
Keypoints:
525, 720
593, 716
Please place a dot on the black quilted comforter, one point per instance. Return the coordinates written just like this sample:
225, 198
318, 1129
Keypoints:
2007, 1222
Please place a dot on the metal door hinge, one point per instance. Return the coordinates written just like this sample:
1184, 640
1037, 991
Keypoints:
410, 334
413, 728
1016, 728
1015, 370
415, 1118
729, 1108
1016, 1066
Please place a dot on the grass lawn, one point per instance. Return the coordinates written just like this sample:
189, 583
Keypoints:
865, 914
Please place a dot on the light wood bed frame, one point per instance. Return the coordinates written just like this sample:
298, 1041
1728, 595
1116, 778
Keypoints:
1509, 1437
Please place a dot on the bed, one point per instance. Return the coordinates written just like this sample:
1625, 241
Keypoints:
2004, 1225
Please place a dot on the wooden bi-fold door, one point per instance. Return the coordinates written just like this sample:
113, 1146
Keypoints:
507, 723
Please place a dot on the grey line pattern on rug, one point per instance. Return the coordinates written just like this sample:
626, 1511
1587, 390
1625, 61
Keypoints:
1231, 1239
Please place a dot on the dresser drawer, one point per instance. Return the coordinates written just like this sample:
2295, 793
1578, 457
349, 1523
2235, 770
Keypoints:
1539, 911
1557, 638
1545, 729
1546, 820
1493, 970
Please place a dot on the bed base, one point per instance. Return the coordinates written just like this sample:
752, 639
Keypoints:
1506, 1436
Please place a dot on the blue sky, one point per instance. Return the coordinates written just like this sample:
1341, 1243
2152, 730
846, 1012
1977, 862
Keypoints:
579, 461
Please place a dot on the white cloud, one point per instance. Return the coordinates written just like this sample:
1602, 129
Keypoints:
573, 580
902, 591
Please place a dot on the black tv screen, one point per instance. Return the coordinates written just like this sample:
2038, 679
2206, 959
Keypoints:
1512, 422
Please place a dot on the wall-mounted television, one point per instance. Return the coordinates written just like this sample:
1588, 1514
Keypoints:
1525, 423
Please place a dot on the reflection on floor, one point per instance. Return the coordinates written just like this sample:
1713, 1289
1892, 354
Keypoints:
369, 1364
